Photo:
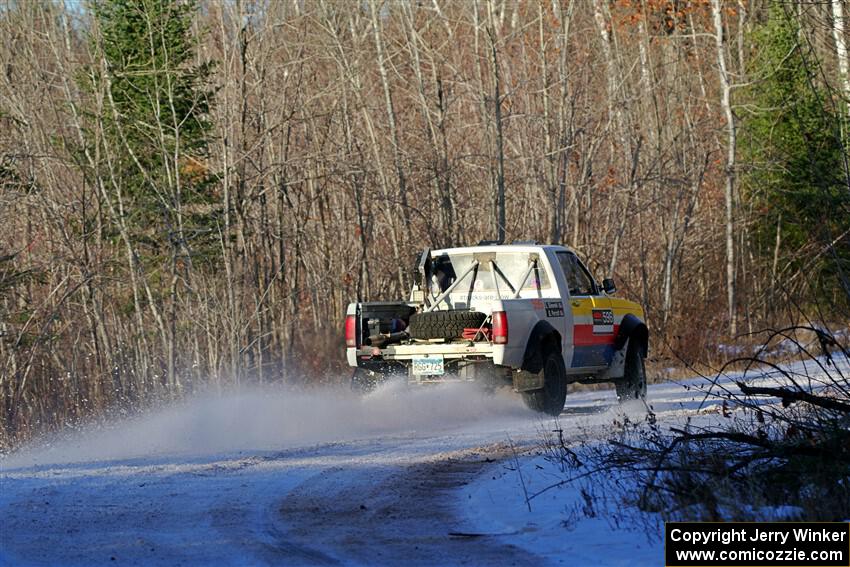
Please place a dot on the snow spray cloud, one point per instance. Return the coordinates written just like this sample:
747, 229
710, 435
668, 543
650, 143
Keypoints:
271, 419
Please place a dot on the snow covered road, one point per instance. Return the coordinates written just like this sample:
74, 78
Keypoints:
271, 477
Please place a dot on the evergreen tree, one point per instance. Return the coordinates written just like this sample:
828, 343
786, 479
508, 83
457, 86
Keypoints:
156, 117
150, 126
794, 177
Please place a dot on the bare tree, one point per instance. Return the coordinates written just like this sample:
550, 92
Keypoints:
720, 42
839, 35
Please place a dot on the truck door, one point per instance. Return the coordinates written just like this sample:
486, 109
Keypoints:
592, 317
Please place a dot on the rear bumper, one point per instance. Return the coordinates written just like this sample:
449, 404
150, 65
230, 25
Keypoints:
366, 355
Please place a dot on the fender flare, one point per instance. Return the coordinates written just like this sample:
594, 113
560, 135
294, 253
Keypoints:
633, 328
542, 336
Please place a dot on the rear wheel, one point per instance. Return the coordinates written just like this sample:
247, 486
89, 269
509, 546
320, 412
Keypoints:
633, 384
551, 397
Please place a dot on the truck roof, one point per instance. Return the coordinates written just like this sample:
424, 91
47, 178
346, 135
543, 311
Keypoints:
500, 247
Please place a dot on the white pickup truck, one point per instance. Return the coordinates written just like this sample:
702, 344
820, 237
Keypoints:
524, 314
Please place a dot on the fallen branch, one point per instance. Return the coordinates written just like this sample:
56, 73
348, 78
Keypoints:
775, 449
796, 396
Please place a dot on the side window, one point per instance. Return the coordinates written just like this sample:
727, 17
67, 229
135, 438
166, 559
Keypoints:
537, 279
578, 279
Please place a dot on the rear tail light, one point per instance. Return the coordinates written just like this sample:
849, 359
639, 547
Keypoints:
500, 328
351, 331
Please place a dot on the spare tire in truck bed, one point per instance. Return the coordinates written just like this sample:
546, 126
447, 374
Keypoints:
443, 324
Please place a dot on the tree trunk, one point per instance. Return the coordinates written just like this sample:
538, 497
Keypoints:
841, 53
391, 120
731, 143
500, 144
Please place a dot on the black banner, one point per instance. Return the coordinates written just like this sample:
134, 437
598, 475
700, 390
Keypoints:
757, 544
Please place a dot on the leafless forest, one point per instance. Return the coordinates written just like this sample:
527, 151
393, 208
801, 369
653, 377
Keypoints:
341, 138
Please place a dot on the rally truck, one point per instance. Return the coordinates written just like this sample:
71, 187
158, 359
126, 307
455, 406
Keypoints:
526, 315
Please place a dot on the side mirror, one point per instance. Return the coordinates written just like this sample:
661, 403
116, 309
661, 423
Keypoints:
608, 286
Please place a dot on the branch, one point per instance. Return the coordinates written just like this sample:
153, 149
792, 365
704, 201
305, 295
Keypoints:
797, 396
776, 449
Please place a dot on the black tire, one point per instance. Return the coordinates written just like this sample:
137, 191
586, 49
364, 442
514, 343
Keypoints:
443, 324
551, 397
633, 384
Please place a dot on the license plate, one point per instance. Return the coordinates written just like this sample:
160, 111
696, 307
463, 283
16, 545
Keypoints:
428, 365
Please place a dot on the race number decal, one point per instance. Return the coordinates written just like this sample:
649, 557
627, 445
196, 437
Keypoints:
603, 321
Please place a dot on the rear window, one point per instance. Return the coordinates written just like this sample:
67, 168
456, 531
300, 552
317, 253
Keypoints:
502, 271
